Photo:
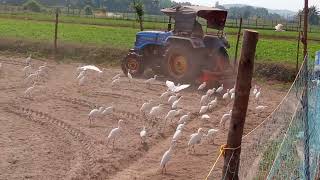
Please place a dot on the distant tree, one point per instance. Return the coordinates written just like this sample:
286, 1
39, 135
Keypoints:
217, 5
88, 10
139, 9
32, 5
314, 15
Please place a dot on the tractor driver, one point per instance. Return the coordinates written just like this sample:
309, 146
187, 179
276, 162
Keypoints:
197, 30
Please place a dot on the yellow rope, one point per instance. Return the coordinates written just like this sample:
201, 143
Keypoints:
223, 149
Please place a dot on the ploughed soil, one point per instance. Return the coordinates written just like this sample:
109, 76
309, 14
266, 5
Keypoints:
47, 135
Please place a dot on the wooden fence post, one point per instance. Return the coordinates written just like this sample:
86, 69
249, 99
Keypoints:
56, 33
243, 86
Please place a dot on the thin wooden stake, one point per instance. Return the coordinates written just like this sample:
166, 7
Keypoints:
243, 86
56, 33
237, 46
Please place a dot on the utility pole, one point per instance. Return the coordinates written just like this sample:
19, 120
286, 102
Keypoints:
305, 28
56, 33
243, 86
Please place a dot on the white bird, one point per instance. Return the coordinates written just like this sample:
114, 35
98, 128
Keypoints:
171, 114
226, 95
213, 104
90, 67
27, 70
174, 88
184, 118
143, 135
202, 86
220, 89
156, 111
233, 90
81, 74
203, 110
195, 139
210, 92
166, 157
95, 113
279, 28
181, 126
258, 95
115, 82
211, 134
205, 117
150, 81
129, 76
226, 117
164, 96
28, 60
115, 133
107, 111
255, 90
175, 103
146, 107
173, 98
83, 80
204, 100
30, 90
233, 95
116, 77
177, 135
32, 78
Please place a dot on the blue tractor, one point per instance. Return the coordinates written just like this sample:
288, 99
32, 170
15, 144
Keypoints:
186, 53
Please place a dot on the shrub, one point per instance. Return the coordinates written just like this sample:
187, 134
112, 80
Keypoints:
88, 10
32, 5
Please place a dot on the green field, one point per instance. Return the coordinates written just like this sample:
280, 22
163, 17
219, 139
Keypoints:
123, 38
153, 22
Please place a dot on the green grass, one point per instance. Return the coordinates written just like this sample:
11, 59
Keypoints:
133, 24
268, 50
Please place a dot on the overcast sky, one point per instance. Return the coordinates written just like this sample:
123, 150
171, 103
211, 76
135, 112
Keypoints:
293, 5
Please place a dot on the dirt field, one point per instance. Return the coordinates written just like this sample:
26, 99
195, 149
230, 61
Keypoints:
48, 136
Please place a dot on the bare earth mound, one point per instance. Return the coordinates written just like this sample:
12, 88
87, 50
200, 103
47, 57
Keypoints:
48, 136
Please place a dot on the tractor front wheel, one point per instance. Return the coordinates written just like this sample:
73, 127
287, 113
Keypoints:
181, 64
132, 63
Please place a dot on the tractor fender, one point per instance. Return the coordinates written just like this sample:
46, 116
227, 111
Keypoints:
192, 42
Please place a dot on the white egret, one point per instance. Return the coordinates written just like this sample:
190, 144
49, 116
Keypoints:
220, 89
226, 117
94, 114
202, 86
205, 117
166, 157
211, 135
175, 103
146, 107
184, 118
226, 95
203, 110
150, 81
195, 139
28, 60
204, 100
143, 135
115, 133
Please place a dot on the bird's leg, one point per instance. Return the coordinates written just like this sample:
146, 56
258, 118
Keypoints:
113, 143
165, 168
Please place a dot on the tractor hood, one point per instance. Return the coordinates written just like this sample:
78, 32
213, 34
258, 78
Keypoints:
145, 38
185, 16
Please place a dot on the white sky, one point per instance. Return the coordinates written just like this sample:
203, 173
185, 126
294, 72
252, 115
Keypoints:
293, 5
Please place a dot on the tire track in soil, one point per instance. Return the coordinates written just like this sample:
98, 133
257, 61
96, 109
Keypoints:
89, 104
94, 171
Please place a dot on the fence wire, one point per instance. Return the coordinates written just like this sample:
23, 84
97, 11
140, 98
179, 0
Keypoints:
276, 149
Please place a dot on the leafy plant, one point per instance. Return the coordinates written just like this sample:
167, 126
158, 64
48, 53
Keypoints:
32, 5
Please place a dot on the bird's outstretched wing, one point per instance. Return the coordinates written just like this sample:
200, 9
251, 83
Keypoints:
90, 67
181, 87
174, 88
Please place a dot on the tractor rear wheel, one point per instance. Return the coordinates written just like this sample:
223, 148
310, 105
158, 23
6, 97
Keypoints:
132, 63
181, 64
